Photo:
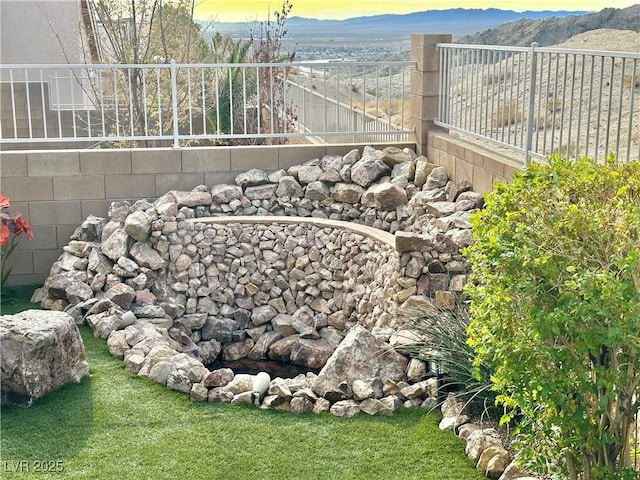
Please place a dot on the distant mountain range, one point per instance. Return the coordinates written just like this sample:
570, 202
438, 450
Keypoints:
551, 31
458, 21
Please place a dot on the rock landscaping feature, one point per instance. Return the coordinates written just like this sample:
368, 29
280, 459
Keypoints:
309, 266
484, 446
41, 352
313, 266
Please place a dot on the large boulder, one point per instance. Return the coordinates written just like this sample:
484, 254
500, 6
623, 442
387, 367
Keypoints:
41, 352
360, 356
368, 169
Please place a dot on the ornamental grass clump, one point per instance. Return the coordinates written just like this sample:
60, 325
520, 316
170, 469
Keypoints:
555, 309
12, 226
445, 348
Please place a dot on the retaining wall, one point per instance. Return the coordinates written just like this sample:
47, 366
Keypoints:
57, 190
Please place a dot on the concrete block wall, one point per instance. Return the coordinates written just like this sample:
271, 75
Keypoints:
57, 189
465, 160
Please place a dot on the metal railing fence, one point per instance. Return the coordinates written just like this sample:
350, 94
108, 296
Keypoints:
186, 103
542, 101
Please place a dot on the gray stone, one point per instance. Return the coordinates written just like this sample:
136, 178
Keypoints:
262, 345
116, 245
332, 335
133, 362
225, 193
416, 370
301, 405
79, 292
302, 321
331, 176
244, 397
415, 390
423, 169
179, 381
309, 173
199, 393
460, 237
321, 405
347, 192
406, 170
252, 178
122, 295
138, 226
41, 351
389, 196
209, 350
219, 328
331, 162
453, 423
479, 441
476, 197
311, 353
441, 209
393, 156
99, 262
281, 323
281, 349
317, 191
360, 356
263, 314
411, 242
288, 186
243, 382
104, 323
90, 230
160, 372
452, 406
465, 430
351, 157
261, 192
367, 170
237, 350
146, 256
220, 394
193, 198
218, 378
493, 461
361, 390
117, 343
513, 472
275, 177
437, 178
372, 406
345, 409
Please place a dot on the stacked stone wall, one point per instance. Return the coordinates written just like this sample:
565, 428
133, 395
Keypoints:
311, 266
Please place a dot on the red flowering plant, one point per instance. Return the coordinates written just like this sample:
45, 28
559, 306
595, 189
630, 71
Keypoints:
12, 226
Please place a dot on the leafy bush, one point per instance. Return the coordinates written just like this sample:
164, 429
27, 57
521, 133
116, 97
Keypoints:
555, 309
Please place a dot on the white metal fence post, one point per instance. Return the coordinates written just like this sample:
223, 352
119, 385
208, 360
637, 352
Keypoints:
174, 102
532, 99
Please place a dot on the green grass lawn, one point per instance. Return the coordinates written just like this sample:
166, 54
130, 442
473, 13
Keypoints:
115, 425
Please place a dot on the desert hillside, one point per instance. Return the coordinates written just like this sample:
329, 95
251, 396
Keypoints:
552, 31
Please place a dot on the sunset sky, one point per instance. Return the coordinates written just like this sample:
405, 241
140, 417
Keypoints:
248, 10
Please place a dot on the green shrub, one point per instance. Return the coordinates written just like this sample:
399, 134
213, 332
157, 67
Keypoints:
555, 294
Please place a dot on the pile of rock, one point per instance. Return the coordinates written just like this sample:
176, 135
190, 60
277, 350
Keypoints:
173, 290
484, 445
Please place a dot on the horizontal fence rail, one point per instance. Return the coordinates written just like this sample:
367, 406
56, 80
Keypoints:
183, 104
542, 101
